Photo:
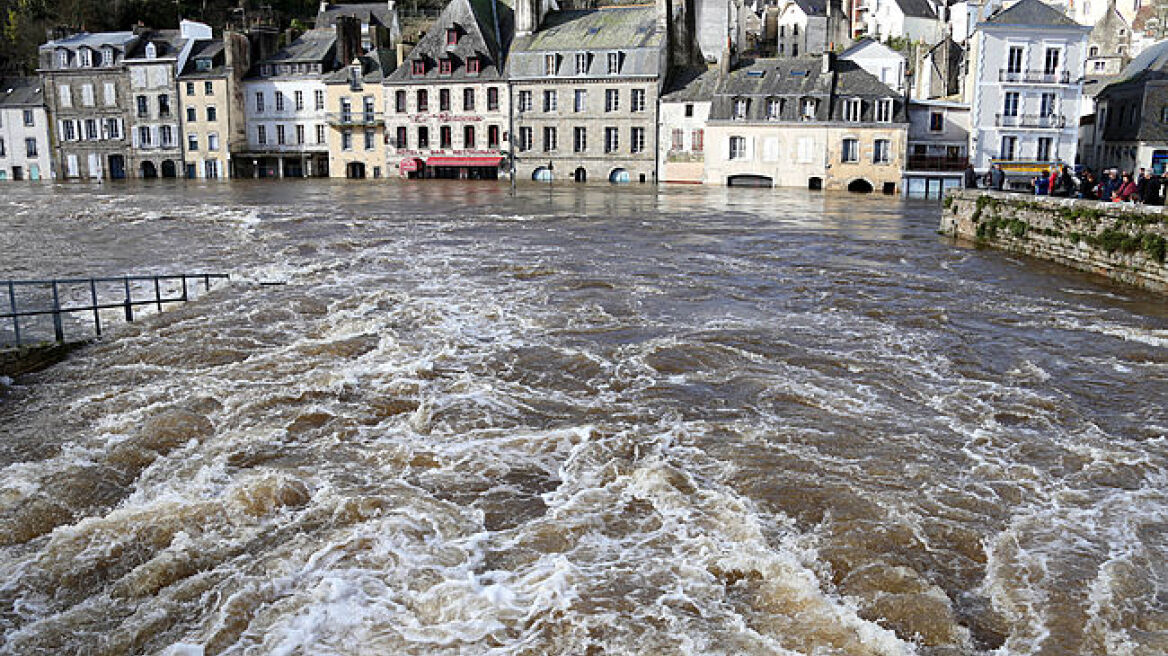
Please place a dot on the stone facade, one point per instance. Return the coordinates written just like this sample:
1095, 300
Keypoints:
153, 124
1130, 129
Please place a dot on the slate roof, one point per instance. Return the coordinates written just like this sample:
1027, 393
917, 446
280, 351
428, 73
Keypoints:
167, 44
1150, 65
812, 7
314, 46
116, 39
868, 42
1032, 12
21, 92
475, 20
794, 78
369, 13
629, 30
916, 8
376, 66
204, 49
690, 85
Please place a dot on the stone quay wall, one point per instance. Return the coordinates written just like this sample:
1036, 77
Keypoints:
1122, 241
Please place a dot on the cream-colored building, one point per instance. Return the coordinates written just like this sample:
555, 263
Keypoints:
684, 112
210, 94
813, 122
355, 99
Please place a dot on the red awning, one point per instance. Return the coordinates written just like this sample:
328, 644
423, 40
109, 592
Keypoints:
464, 161
411, 164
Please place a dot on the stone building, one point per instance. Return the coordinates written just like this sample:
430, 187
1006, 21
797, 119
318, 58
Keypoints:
375, 18
210, 89
1025, 90
585, 86
153, 65
915, 20
938, 141
938, 70
24, 130
1130, 129
685, 108
87, 94
808, 27
1109, 44
813, 122
447, 106
355, 99
884, 63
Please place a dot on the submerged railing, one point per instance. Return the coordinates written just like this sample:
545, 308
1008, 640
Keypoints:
28, 300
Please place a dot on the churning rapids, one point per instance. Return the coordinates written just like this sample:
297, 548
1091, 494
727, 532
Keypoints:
603, 421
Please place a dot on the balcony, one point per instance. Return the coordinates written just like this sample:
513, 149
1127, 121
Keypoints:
1034, 77
355, 119
1030, 121
936, 163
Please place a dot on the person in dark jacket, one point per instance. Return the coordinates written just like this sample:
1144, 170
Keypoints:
1087, 185
970, 177
1064, 183
997, 177
1108, 186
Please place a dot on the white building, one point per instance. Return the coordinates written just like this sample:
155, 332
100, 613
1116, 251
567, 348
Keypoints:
806, 27
1026, 89
884, 63
915, 20
24, 130
938, 137
685, 109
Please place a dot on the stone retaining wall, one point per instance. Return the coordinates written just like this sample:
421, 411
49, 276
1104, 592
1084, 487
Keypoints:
1122, 241
28, 359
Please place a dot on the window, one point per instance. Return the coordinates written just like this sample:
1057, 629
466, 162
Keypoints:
737, 147
190, 88
164, 105
418, 67
852, 108
261, 135
445, 66
107, 56
1043, 152
611, 100
318, 96
91, 129
212, 115
550, 64
346, 140
280, 136
367, 107
208, 88
880, 154
524, 139
259, 101
851, 150
1014, 60
473, 66
1051, 62
191, 115
399, 101
279, 101
1010, 104
549, 101
468, 137
62, 59
3, 153
739, 108
1009, 144
87, 95
611, 140
1094, 51
614, 61
143, 106
637, 140
369, 139
493, 136
298, 100
579, 140
30, 147
113, 129
493, 98
689, 110
144, 136
402, 139
320, 134
468, 99
70, 130
579, 100
524, 101
445, 139
192, 142
810, 107
678, 139
774, 109
637, 100
936, 121
1047, 106
884, 111
1100, 66
581, 63
549, 139
346, 110
451, 36
111, 94
444, 100
28, 118
698, 139
299, 134
423, 100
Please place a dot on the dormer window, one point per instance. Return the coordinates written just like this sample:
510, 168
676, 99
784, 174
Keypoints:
740, 107
582, 63
614, 63
774, 109
354, 77
452, 36
86, 57
107, 56
266, 71
884, 110
550, 64
445, 66
852, 110
63, 59
473, 66
418, 67
202, 64
810, 105
151, 51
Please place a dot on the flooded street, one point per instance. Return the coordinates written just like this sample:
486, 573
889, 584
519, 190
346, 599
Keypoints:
578, 421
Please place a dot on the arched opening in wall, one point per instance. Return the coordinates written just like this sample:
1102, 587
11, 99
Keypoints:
749, 181
815, 184
618, 176
148, 170
860, 186
542, 174
889, 188
580, 175
168, 169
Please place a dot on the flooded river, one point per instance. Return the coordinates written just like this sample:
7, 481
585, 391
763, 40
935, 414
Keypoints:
610, 421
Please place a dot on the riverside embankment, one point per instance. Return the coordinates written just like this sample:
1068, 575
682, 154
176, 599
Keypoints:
1121, 241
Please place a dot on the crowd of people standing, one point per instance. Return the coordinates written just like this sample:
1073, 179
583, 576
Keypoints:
1110, 186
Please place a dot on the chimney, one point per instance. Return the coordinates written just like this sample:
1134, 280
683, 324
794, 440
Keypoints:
724, 63
324, 5
348, 39
392, 6
525, 17
828, 61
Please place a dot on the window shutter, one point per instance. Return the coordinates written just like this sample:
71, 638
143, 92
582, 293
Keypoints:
726, 148
134, 138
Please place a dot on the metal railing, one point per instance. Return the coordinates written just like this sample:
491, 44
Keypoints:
125, 300
1034, 77
936, 163
1030, 120
355, 118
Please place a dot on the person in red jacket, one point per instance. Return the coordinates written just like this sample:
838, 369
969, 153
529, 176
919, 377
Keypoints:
1126, 190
